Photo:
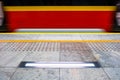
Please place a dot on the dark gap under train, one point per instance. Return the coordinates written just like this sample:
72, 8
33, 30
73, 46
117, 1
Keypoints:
59, 2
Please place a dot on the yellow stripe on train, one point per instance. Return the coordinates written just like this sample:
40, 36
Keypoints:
59, 8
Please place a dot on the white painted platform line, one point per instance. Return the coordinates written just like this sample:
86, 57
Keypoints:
61, 30
59, 65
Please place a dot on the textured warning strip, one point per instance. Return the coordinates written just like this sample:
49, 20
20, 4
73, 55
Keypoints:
44, 46
59, 40
60, 46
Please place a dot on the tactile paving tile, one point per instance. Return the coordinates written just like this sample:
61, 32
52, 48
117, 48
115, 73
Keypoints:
105, 46
44, 46
114, 46
59, 46
32, 46
78, 56
107, 53
73, 46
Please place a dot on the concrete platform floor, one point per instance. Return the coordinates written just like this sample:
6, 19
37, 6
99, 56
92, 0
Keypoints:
107, 54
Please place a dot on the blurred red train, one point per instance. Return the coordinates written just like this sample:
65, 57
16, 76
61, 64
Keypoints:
60, 14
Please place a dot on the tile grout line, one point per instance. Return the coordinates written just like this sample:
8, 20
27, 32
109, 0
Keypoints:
13, 74
93, 52
59, 58
17, 67
59, 74
13, 57
102, 66
106, 74
23, 58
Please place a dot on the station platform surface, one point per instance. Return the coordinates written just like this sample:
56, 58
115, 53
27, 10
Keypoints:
101, 50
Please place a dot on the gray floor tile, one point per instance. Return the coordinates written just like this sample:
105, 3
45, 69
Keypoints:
80, 56
6, 73
108, 59
36, 74
113, 73
11, 59
83, 74
74, 46
43, 56
32, 46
